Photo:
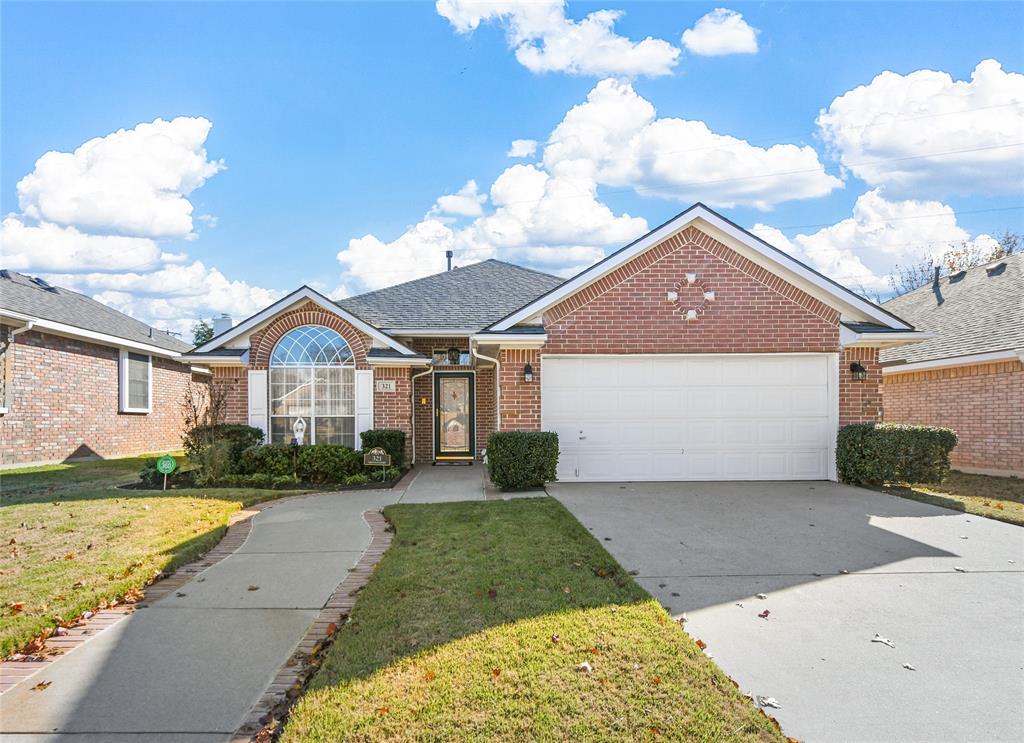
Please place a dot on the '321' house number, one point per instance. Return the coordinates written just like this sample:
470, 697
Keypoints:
387, 385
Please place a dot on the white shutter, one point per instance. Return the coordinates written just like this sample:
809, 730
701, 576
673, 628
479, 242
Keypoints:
364, 403
258, 402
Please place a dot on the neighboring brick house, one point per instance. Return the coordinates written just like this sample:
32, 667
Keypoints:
80, 380
697, 352
970, 375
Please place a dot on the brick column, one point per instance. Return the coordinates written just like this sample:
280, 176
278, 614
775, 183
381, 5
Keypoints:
392, 409
520, 400
860, 401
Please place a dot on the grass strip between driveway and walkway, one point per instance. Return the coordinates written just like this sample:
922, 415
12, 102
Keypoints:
72, 540
1000, 498
474, 626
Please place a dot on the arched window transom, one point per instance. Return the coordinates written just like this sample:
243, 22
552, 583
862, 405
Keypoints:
312, 379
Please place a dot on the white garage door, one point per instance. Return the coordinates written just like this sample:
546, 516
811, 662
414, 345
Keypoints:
701, 417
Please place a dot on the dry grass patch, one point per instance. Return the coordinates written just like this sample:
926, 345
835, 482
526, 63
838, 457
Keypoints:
475, 625
1000, 498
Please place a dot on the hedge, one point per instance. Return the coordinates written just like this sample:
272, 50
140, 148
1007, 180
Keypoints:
390, 440
275, 460
327, 463
874, 454
522, 459
235, 438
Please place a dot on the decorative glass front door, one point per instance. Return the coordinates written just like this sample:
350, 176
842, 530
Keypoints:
454, 429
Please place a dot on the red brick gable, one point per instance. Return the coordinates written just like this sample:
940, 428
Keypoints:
262, 342
754, 311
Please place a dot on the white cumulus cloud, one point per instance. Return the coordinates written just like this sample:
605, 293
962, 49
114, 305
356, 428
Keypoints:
721, 32
545, 40
466, 202
874, 128
132, 182
522, 148
863, 249
50, 247
617, 135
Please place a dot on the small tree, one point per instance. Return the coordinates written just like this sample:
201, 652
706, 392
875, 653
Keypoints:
202, 332
958, 257
205, 406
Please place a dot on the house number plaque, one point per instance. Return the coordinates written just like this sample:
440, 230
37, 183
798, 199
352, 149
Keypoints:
387, 385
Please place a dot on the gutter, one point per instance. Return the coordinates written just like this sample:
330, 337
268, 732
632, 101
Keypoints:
899, 367
497, 384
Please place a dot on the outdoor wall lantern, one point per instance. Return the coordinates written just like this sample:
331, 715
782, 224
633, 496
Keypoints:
454, 355
858, 372
528, 373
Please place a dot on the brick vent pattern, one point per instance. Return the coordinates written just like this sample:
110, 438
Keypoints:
983, 403
66, 405
262, 342
860, 401
276, 700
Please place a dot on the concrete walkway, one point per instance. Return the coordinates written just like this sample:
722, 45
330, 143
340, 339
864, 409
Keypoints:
446, 482
191, 665
707, 549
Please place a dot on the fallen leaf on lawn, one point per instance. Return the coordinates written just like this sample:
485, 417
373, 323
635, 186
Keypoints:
595, 651
999, 506
661, 619
429, 676
61, 632
254, 588
496, 672
654, 731
601, 573
69, 556
492, 594
42, 686
567, 590
555, 639
585, 667
767, 702
331, 629
13, 541
656, 680
16, 606
701, 644
383, 710
603, 681
79, 584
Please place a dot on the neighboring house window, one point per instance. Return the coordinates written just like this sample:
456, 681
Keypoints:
442, 357
136, 382
6, 368
312, 379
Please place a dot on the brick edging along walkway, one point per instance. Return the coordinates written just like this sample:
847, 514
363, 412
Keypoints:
13, 672
264, 718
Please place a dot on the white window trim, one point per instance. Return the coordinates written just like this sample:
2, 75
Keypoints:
311, 433
122, 383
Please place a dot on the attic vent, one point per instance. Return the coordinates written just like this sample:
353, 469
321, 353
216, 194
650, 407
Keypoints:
42, 284
4, 273
959, 276
996, 269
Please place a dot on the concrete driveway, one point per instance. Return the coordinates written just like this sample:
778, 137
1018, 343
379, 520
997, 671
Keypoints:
707, 549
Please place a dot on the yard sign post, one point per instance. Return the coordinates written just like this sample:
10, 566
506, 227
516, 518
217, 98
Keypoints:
165, 465
377, 456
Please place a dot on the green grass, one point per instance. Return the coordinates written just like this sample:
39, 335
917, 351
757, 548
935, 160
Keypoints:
71, 540
452, 639
1000, 498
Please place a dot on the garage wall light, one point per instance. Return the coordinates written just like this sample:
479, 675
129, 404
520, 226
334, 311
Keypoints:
528, 373
858, 372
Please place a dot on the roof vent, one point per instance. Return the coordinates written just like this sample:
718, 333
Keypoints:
4, 273
996, 269
958, 276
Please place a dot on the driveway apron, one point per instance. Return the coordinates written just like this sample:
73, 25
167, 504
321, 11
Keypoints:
189, 666
836, 565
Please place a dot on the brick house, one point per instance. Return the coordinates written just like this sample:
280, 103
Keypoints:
80, 380
697, 352
969, 376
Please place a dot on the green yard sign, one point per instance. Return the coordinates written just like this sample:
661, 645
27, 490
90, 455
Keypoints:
166, 465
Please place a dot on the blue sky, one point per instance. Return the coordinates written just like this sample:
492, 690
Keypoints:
335, 121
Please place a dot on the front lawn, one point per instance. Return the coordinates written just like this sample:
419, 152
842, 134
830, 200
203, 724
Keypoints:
475, 624
1000, 498
72, 540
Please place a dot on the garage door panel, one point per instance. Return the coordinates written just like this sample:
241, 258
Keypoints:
690, 417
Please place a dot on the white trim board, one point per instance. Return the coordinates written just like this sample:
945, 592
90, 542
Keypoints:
847, 302
952, 361
102, 339
299, 295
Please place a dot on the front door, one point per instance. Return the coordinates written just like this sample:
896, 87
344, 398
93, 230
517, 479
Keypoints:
454, 424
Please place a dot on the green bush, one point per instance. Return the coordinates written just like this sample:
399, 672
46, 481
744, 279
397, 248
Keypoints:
212, 462
284, 481
149, 475
874, 454
326, 463
359, 479
383, 474
522, 459
235, 439
390, 440
274, 461
258, 480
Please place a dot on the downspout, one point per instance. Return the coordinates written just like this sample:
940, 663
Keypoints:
497, 383
23, 329
412, 408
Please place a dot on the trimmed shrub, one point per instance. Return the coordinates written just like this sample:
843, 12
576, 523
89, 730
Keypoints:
359, 479
326, 463
273, 461
384, 474
284, 481
522, 459
390, 440
874, 454
234, 438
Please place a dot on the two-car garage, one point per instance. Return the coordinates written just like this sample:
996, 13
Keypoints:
692, 417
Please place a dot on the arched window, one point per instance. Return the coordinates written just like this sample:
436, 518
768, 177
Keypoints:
312, 379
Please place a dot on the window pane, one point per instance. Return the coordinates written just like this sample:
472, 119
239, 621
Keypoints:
282, 432
440, 358
291, 391
336, 431
335, 391
311, 345
138, 380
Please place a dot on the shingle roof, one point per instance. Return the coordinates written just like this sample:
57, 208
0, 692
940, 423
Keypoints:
471, 297
976, 311
28, 296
